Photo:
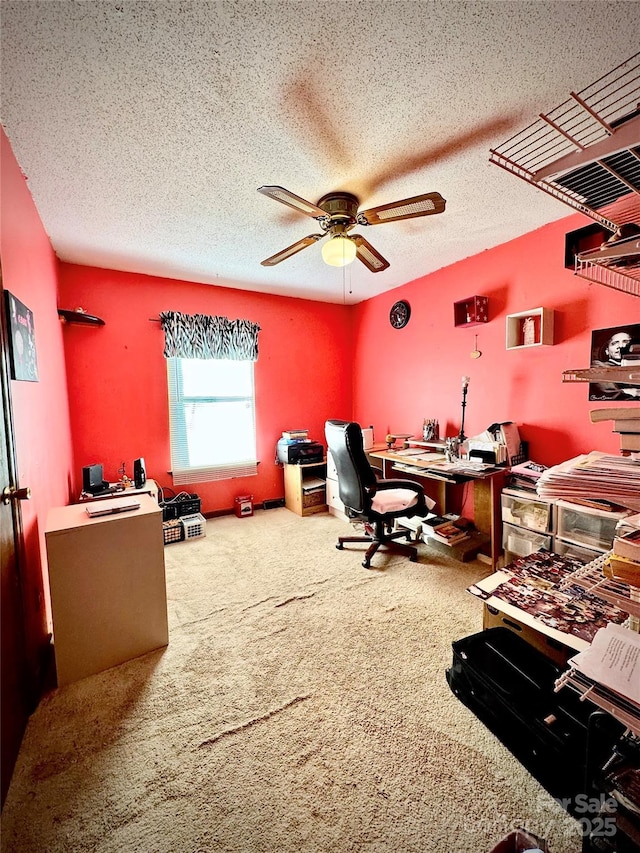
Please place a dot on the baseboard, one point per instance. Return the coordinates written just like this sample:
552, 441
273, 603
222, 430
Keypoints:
269, 504
273, 504
218, 512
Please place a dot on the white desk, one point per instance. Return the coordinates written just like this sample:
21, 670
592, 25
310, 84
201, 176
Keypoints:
108, 592
149, 488
557, 645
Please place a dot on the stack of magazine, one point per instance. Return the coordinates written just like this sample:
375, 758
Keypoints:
526, 475
448, 530
594, 476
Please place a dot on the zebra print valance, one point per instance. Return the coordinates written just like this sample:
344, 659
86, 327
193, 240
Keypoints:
201, 336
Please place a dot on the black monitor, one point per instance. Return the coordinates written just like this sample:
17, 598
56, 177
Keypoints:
93, 479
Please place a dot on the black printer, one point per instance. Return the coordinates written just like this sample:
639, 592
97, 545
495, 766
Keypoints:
292, 452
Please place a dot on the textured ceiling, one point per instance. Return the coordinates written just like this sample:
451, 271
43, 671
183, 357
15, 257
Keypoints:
145, 128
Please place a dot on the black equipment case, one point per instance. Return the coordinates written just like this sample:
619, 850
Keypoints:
179, 506
509, 685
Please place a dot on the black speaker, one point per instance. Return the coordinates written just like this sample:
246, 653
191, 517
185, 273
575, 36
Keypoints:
93, 479
139, 473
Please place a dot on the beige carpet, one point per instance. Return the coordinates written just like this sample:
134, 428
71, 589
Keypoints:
301, 705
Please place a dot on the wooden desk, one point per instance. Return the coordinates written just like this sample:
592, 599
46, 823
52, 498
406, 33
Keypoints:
486, 492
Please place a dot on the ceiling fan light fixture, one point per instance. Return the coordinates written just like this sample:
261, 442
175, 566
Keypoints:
339, 251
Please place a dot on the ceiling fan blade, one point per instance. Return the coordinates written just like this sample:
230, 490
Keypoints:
370, 257
407, 208
291, 250
292, 200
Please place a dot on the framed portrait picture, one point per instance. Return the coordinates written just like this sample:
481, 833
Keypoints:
618, 346
22, 340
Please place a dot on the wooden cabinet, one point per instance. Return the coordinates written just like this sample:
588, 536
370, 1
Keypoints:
107, 582
305, 489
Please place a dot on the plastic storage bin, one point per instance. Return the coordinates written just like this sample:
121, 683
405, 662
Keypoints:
526, 511
243, 506
520, 542
182, 504
593, 528
172, 531
194, 526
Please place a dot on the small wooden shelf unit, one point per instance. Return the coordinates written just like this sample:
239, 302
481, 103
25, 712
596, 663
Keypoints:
542, 319
300, 495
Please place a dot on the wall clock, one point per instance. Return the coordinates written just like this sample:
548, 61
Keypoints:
399, 314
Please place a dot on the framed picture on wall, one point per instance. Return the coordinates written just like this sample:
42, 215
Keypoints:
22, 340
618, 346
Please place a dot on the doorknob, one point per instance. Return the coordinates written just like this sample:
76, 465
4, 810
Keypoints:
9, 494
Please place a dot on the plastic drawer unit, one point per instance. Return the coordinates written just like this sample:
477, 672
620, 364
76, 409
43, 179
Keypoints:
526, 511
591, 528
570, 549
520, 542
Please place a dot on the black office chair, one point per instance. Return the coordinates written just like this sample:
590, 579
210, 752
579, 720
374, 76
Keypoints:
368, 498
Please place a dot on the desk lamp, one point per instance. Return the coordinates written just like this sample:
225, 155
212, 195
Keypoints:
465, 386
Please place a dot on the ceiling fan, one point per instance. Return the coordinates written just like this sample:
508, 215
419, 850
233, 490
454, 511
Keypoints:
337, 214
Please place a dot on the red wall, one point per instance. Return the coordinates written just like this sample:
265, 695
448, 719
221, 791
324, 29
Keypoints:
403, 376
307, 363
41, 415
117, 373
316, 360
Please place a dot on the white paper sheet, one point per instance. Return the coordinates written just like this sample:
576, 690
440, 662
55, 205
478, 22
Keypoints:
613, 659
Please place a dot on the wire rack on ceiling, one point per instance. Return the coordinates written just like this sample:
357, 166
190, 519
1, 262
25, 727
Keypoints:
586, 153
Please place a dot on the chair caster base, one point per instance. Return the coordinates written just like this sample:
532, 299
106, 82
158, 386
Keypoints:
340, 546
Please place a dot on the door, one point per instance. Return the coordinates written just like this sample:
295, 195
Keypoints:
16, 687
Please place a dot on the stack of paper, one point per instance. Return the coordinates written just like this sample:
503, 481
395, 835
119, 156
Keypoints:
608, 674
613, 660
312, 484
526, 475
594, 476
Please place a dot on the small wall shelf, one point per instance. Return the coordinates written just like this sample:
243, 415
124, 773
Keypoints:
471, 311
531, 328
79, 316
583, 240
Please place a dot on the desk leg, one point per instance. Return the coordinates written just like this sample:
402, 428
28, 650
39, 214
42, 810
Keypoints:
487, 512
436, 490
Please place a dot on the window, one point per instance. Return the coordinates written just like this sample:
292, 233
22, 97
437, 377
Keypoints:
211, 419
